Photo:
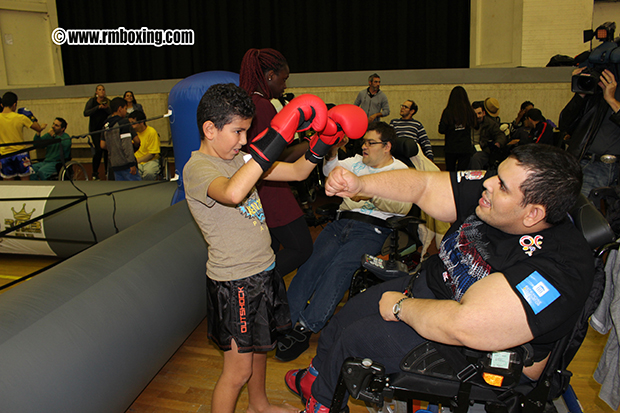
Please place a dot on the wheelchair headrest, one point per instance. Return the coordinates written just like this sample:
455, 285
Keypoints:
405, 148
591, 223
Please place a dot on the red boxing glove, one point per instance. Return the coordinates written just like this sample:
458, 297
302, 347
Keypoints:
302, 113
349, 120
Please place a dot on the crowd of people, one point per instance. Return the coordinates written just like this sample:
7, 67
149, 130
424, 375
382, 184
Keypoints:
237, 188
110, 122
475, 136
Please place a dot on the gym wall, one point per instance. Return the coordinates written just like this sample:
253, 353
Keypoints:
548, 88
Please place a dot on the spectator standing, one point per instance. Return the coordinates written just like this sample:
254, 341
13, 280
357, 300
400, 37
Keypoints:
132, 104
263, 75
98, 109
121, 140
373, 100
592, 123
457, 122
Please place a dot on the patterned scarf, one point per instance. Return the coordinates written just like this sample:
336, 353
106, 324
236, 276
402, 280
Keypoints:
465, 255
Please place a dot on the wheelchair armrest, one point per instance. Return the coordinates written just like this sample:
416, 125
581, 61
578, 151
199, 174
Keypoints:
597, 194
400, 223
500, 369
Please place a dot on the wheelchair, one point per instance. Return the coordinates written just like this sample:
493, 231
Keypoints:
164, 167
66, 168
458, 377
400, 250
69, 171
398, 257
72, 171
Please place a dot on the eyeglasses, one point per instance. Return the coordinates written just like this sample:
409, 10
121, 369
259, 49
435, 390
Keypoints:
405, 106
370, 143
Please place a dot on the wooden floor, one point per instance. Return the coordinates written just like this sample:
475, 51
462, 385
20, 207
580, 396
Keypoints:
14, 267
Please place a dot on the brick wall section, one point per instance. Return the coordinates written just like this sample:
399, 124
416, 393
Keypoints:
553, 27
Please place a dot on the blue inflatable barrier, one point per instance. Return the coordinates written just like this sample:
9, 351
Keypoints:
183, 101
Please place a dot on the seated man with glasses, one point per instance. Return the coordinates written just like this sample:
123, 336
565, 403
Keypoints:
408, 127
359, 229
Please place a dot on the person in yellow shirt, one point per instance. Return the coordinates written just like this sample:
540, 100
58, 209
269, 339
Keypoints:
11, 125
148, 153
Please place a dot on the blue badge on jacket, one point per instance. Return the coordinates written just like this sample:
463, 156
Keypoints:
537, 291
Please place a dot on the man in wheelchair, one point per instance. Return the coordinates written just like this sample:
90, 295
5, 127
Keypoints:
511, 270
360, 227
55, 154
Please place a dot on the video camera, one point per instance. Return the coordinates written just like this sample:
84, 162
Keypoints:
605, 56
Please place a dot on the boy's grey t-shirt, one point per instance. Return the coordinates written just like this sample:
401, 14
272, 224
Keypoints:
238, 237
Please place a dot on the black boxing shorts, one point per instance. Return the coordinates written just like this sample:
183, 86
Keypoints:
252, 311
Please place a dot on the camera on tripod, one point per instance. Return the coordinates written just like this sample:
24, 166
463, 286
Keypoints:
605, 56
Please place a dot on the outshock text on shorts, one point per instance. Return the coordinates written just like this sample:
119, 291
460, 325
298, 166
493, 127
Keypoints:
242, 320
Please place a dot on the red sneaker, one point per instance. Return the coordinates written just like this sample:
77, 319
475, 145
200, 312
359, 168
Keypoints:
315, 407
300, 381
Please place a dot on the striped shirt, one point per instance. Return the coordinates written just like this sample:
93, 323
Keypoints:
411, 128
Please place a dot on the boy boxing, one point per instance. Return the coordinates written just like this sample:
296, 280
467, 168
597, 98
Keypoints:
246, 300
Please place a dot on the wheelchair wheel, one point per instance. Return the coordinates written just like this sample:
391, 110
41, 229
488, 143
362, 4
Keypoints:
164, 170
73, 171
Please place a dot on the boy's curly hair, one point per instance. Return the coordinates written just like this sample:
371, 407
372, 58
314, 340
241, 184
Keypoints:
221, 103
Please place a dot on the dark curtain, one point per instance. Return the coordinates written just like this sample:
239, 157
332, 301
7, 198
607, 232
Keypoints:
314, 36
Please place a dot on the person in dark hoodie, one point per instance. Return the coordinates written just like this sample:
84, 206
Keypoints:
121, 141
540, 129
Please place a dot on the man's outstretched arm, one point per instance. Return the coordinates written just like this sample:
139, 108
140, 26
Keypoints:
431, 191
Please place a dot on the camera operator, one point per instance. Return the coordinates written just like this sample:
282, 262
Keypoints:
592, 122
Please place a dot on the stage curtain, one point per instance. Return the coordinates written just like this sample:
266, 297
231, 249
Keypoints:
314, 36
